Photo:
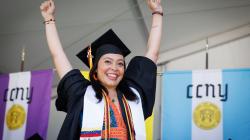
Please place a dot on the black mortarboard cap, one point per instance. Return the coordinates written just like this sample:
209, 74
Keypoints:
109, 42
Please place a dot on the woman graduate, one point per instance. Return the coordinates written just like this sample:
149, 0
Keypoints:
116, 100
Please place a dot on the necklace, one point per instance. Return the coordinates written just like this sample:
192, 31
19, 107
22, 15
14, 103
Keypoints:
113, 100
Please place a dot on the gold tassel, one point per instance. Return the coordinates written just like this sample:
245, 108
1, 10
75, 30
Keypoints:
90, 56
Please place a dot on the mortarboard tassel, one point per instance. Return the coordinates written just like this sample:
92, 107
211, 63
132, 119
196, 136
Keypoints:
90, 56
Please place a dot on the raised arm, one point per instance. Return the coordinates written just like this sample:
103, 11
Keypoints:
155, 34
61, 61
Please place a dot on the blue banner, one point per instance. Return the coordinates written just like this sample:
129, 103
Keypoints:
206, 105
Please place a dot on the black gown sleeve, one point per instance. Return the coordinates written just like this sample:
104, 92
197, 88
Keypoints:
141, 75
71, 88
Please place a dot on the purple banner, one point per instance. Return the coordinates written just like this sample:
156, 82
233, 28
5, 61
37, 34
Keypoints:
4, 82
39, 107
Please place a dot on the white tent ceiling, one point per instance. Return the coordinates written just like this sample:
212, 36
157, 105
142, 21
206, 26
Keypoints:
82, 21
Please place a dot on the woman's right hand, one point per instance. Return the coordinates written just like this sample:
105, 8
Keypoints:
48, 10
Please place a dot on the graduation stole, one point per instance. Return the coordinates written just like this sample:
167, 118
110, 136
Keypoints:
94, 112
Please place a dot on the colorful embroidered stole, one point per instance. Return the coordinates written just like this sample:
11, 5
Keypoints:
94, 112
129, 119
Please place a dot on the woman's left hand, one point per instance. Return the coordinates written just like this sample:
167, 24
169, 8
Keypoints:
155, 5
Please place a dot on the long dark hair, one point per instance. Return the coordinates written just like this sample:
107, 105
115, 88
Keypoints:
99, 88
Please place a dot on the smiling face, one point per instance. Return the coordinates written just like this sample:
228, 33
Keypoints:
110, 70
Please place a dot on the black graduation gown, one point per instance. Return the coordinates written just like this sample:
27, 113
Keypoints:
140, 74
